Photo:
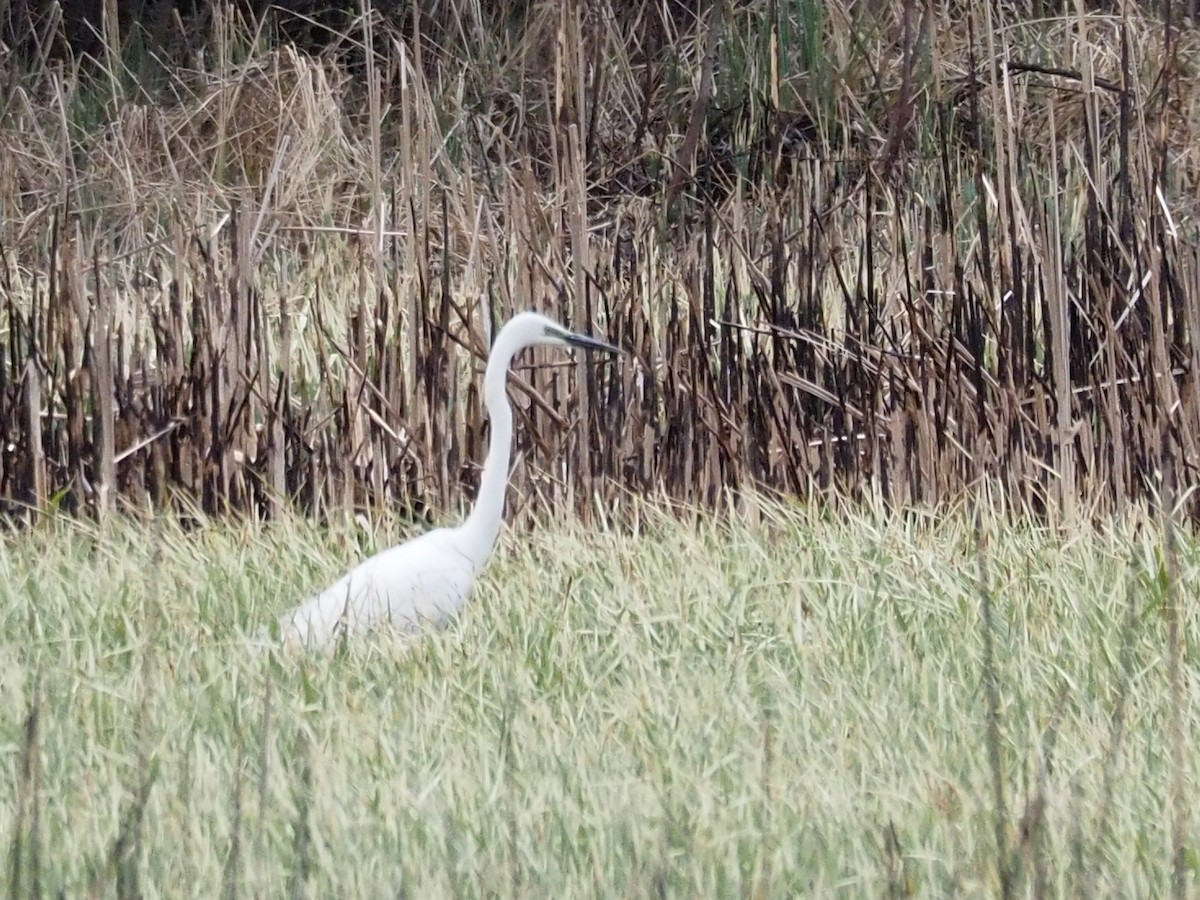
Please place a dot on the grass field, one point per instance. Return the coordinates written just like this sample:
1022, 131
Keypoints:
785, 701
888, 249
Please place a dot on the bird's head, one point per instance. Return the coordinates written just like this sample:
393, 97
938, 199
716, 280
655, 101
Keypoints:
528, 329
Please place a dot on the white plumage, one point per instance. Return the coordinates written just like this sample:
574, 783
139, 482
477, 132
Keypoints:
429, 578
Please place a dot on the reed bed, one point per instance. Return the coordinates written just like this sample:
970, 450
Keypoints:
888, 250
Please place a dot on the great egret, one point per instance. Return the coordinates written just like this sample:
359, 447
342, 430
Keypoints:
428, 579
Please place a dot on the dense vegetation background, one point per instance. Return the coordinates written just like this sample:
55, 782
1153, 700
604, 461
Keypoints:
931, 265
254, 257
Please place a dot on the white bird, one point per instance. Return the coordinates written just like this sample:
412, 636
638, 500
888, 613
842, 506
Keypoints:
428, 579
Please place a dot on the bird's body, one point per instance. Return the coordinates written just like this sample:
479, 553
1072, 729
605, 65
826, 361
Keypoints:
429, 578
432, 590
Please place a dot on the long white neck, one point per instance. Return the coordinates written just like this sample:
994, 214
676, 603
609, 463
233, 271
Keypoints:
483, 524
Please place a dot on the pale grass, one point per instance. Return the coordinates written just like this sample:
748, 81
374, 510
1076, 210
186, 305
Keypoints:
687, 706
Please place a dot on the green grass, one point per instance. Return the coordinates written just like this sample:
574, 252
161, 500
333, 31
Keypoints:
637, 713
